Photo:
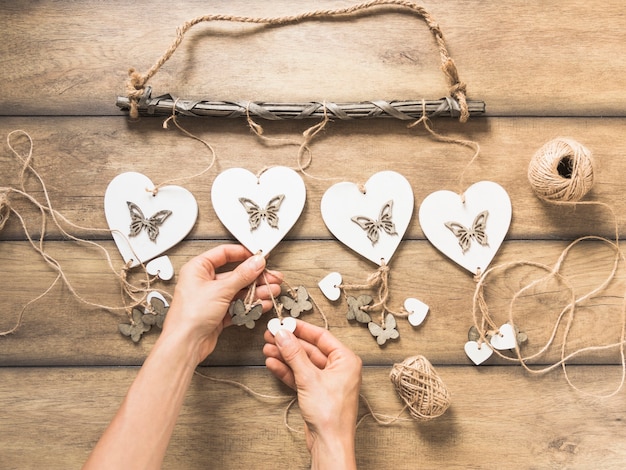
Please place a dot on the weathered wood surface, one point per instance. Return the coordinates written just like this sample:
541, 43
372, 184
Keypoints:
544, 71
520, 423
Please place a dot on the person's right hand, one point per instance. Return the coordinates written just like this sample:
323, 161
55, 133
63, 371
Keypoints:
327, 377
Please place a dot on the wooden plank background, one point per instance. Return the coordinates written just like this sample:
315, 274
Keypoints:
545, 70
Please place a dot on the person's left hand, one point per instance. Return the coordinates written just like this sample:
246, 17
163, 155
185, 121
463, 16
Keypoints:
202, 296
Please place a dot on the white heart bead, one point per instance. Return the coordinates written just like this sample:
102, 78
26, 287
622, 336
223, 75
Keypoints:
478, 353
162, 267
288, 323
505, 338
417, 310
329, 286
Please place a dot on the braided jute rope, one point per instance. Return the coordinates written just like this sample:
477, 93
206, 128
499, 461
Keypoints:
136, 83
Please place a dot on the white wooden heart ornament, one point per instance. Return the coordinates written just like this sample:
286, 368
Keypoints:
417, 311
505, 338
478, 353
373, 222
288, 323
160, 220
258, 211
330, 286
471, 232
155, 295
162, 267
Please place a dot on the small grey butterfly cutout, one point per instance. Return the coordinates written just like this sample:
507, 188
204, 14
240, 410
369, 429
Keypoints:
465, 235
299, 304
373, 227
355, 311
256, 213
383, 334
244, 316
139, 222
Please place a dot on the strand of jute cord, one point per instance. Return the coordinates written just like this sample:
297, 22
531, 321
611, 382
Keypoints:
136, 84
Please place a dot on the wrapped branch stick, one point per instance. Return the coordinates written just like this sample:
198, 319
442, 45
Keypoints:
403, 110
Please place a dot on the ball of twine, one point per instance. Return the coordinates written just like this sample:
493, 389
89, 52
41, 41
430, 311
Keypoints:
561, 171
420, 387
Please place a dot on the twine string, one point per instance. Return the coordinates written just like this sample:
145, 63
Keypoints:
136, 83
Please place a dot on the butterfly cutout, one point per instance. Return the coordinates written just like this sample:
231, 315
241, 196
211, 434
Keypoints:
139, 222
257, 214
136, 328
465, 235
298, 304
383, 334
373, 227
355, 312
159, 311
244, 316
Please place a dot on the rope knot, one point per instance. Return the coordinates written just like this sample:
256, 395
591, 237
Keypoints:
135, 87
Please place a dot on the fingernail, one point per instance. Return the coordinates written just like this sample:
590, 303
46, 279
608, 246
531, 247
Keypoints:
257, 262
283, 337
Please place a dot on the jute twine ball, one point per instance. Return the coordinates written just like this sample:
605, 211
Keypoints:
561, 170
420, 387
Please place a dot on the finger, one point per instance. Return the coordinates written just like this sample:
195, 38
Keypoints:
294, 355
318, 358
281, 371
323, 339
243, 275
207, 262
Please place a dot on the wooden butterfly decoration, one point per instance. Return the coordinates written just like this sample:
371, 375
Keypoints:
139, 222
465, 235
244, 316
385, 332
355, 310
257, 214
297, 303
159, 311
373, 227
136, 328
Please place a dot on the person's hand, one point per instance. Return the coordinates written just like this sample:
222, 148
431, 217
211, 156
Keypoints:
327, 377
202, 296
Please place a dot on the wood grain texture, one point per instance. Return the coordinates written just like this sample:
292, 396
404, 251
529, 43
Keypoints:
570, 66
544, 70
520, 423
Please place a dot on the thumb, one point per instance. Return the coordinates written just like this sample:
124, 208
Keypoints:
245, 274
292, 352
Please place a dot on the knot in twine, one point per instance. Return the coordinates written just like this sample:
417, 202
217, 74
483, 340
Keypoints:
561, 171
420, 387
135, 87
5, 210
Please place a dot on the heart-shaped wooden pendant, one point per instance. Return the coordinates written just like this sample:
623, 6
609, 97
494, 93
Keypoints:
258, 211
417, 310
478, 353
145, 225
161, 267
330, 286
468, 232
371, 222
504, 338
288, 323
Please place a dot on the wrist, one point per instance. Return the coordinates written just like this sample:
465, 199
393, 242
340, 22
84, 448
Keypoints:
333, 452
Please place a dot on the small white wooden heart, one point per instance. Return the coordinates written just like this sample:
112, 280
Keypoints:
329, 286
136, 189
370, 223
162, 267
417, 310
481, 223
258, 211
155, 295
478, 353
288, 323
505, 338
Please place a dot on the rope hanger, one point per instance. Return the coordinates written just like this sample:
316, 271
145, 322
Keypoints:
139, 100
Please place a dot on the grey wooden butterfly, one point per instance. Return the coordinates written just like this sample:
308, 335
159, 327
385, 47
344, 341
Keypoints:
383, 334
242, 316
465, 235
157, 316
139, 222
136, 328
257, 214
297, 304
373, 227
355, 310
